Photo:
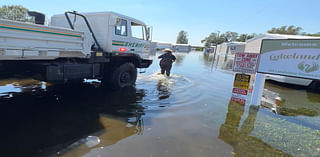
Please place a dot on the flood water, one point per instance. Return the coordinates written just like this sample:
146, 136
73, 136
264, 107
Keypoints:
188, 114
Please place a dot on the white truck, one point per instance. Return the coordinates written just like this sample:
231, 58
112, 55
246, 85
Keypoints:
105, 45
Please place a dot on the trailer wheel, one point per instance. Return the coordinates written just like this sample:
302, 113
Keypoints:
124, 76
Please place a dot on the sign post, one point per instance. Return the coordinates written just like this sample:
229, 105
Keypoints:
258, 89
244, 63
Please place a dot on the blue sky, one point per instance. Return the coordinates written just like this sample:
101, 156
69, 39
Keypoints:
198, 17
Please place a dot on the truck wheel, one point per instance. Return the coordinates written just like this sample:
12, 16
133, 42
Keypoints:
124, 76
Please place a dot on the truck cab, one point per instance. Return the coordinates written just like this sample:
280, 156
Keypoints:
114, 32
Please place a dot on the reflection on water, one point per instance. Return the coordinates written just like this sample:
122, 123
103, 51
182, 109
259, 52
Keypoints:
114, 131
163, 87
239, 137
225, 62
207, 59
186, 114
9, 86
179, 58
44, 122
294, 102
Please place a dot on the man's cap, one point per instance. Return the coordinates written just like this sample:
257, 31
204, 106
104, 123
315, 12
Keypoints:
167, 50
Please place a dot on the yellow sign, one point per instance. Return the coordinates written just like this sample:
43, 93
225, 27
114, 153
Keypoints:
241, 81
99, 54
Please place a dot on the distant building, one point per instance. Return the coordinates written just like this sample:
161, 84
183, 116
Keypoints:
209, 49
163, 45
231, 48
253, 45
225, 53
181, 47
197, 48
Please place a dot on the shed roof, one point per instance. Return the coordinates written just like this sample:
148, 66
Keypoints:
281, 36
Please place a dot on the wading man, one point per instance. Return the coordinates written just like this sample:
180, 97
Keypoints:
166, 61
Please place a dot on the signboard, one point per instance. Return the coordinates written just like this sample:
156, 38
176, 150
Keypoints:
246, 62
239, 100
241, 81
297, 58
240, 91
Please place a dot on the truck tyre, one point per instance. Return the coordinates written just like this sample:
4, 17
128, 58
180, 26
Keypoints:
124, 76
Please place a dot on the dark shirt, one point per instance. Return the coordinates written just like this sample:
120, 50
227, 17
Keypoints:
167, 58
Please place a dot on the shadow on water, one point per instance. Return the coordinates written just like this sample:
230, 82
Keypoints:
239, 137
42, 122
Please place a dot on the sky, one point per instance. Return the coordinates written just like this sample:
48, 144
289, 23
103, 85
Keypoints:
198, 18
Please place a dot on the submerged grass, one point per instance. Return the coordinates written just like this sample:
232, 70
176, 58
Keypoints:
255, 133
289, 137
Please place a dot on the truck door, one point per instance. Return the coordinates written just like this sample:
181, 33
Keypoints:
131, 37
120, 36
139, 39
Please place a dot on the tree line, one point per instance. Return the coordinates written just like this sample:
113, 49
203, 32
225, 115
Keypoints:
15, 12
229, 36
216, 38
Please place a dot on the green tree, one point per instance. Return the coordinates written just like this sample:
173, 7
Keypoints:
230, 36
15, 12
315, 34
311, 34
213, 39
245, 37
182, 37
292, 30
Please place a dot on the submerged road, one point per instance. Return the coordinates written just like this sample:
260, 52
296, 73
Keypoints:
188, 114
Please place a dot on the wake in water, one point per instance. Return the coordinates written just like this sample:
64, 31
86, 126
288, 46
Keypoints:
174, 82
164, 84
174, 78
164, 91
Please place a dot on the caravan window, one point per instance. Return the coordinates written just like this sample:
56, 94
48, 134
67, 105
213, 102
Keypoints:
121, 28
138, 31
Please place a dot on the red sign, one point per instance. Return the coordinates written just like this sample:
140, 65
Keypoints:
240, 91
239, 100
246, 62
